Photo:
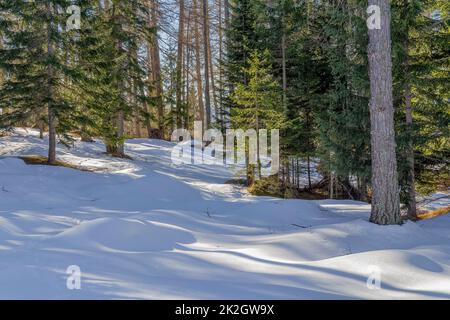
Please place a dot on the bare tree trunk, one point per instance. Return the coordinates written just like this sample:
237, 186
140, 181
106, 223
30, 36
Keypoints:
206, 53
120, 116
151, 85
363, 190
120, 134
51, 112
51, 137
385, 199
136, 120
211, 66
412, 212
309, 172
186, 71
409, 152
198, 64
283, 63
155, 59
221, 113
258, 159
41, 129
331, 185
179, 75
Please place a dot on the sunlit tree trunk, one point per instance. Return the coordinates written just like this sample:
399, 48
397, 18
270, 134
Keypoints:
385, 191
198, 63
179, 75
206, 54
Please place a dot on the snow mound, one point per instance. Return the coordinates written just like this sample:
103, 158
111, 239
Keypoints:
148, 229
123, 235
11, 164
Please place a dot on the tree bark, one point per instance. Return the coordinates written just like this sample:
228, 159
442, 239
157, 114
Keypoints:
206, 54
221, 39
120, 116
155, 62
409, 152
412, 212
50, 72
211, 66
385, 199
198, 62
179, 71
283, 62
309, 172
120, 134
186, 70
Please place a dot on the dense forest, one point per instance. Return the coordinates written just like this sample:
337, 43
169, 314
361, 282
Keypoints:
369, 107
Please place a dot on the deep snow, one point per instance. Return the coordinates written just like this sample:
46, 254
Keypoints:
149, 229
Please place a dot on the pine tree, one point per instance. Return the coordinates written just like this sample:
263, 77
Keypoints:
299, 67
421, 82
342, 113
33, 59
115, 76
241, 39
258, 102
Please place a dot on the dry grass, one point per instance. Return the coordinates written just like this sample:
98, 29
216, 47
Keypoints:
273, 187
434, 213
43, 161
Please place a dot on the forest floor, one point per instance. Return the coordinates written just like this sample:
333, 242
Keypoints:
147, 229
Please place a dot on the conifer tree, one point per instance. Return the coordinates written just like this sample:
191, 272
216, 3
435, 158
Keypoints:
421, 83
33, 58
241, 39
258, 102
115, 76
342, 115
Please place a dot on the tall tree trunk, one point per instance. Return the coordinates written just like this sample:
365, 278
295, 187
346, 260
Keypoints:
155, 59
198, 62
412, 212
151, 86
120, 116
179, 75
50, 74
210, 63
385, 199
186, 71
221, 111
206, 53
283, 62
409, 152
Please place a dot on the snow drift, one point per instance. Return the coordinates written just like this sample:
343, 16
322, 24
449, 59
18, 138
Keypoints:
148, 229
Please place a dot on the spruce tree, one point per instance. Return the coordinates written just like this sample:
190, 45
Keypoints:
33, 58
421, 82
114, 74
258, 102
241, 39
341, 109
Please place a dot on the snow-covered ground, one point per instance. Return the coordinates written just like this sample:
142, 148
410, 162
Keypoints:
147, 229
